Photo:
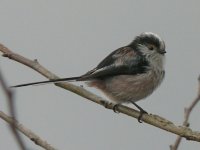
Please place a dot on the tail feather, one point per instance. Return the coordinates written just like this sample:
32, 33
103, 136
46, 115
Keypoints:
47, 81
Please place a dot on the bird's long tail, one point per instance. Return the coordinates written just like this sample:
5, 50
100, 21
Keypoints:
47, 81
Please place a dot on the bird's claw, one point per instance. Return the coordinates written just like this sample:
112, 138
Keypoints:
142, 111
141, 114
115, 108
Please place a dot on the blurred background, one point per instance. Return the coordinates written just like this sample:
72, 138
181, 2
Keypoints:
71, 37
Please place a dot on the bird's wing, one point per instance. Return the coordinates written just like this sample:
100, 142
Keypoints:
122, 61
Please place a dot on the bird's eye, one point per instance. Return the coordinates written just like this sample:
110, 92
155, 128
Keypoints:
151, 47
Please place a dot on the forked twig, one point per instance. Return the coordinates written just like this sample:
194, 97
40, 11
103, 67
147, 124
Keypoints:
27, 132
9, 95
187, 112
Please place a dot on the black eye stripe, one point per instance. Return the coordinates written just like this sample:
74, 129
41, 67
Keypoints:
151, 47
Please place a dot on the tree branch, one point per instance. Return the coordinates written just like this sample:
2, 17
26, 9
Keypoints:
9, 95
27, 132
154, 120
187, 112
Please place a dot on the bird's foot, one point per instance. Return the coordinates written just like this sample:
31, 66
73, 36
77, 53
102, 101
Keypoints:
142, 111
115, 108
141, 114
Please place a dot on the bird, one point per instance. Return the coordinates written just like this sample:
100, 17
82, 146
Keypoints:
129, 73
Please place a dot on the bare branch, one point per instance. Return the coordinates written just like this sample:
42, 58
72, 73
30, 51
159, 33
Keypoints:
11, 105
27, 132
187, 112
154, 120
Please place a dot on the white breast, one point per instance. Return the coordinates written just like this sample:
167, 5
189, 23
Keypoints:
127, 88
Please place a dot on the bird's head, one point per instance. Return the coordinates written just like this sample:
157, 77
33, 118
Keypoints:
148, 43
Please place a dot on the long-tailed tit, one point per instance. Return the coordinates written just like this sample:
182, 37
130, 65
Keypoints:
128, 74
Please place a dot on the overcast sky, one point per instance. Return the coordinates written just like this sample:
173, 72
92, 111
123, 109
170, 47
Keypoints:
71, 37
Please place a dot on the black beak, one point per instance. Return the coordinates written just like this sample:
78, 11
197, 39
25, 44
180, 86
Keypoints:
162, 52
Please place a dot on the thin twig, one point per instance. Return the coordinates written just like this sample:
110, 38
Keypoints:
27, 132
187, 112
154, 120
9, 95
